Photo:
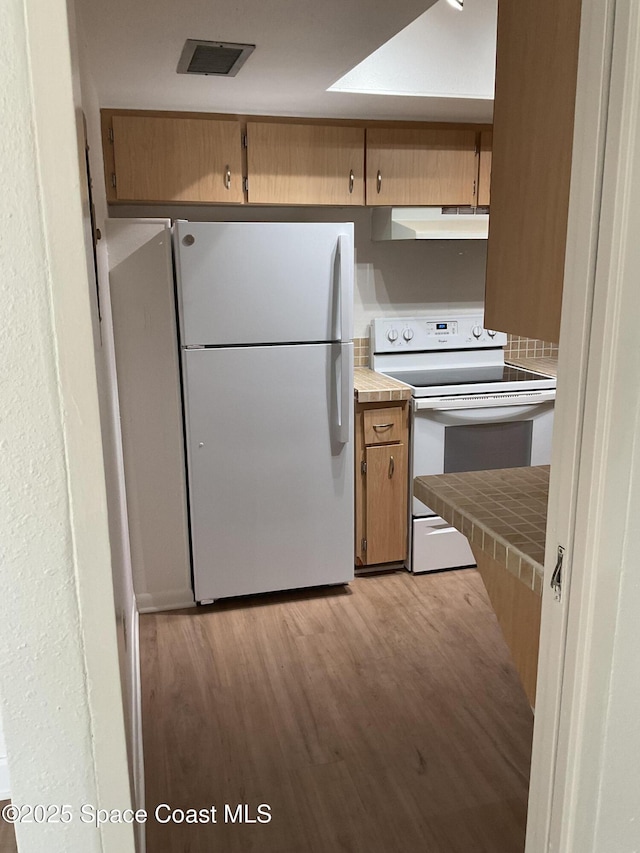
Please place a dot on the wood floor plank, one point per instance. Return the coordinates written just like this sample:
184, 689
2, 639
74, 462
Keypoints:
7, 833
387, 716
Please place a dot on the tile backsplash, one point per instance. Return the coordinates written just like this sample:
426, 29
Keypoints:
361, 352
516, 347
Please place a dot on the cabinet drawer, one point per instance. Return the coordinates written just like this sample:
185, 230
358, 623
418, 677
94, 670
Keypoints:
382, 426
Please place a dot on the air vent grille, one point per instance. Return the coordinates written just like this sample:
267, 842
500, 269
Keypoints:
221, 59
464, 211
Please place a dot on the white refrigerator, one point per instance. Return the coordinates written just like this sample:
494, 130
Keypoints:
266, 327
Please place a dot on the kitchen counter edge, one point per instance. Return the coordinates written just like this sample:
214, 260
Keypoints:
539, 363
470, 501
372, 387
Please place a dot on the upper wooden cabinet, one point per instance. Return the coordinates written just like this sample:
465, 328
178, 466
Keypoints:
199, 158
305, 164
416, 167
536, 70
173, 158
484, 168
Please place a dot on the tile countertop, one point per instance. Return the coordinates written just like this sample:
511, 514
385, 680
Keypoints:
372, 387
542, 363
502, 512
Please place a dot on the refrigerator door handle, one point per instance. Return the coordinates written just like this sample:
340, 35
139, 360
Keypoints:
345, 250
346, 393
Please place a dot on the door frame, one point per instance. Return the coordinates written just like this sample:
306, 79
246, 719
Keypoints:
595, 471
582, 688
61, 691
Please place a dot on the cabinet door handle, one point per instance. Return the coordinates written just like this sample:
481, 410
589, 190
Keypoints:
227, 178
382, 426
379, 181
392, 466
352, 178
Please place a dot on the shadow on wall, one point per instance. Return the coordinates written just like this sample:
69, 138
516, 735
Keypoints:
400, 277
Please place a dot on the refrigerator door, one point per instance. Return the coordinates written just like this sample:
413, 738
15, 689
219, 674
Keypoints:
264, 282
270, 480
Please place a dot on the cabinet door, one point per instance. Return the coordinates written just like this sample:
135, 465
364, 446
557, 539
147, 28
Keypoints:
419, 167
536, 69
305, 164
160, 158
484, 168
386, 503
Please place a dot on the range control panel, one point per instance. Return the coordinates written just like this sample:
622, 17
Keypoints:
446, 331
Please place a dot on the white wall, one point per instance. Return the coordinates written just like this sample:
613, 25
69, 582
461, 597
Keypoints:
124, 598
59, 681
141, 296
392, 278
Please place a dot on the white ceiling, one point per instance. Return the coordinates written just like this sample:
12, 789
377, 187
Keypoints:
443, 53
302, 48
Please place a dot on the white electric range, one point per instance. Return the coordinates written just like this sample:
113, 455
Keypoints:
469, 412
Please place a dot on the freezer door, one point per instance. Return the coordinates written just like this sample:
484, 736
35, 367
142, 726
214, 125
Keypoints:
270, 480
264, 282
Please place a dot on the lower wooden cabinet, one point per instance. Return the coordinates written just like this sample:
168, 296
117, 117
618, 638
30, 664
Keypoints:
382, 486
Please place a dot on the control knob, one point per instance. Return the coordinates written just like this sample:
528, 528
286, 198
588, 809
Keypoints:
476, 331
392, 335
491, 333
407, 334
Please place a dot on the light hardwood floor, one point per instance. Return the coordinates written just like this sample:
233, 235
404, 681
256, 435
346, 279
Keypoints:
7, 834
385, 717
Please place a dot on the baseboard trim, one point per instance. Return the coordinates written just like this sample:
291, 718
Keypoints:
175, 599
5, 787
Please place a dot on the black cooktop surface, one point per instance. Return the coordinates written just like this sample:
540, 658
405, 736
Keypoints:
495, 374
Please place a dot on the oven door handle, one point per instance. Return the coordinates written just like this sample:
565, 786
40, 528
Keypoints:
483, 415
508, 401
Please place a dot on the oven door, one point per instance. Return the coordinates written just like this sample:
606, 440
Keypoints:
476, 439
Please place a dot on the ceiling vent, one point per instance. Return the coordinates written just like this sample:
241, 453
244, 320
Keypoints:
219, 58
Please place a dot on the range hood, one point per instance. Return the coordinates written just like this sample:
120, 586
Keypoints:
430, 223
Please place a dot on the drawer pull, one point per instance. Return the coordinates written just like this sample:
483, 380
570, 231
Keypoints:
383, 426
352, 178
392, 467
379, 181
